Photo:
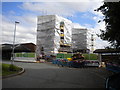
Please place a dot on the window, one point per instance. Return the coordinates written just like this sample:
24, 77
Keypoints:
61, 37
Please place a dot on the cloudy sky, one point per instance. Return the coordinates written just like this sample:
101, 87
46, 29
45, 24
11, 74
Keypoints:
81, 13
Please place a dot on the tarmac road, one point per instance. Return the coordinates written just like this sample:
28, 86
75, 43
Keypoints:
46, 75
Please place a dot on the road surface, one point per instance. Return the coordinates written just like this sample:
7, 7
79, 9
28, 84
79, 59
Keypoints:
47, 75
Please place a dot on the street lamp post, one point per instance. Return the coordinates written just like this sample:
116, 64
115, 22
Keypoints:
13, 55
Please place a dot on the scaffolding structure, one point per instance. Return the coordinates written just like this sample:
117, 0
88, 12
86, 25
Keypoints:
51, 34
79, 38
56, 34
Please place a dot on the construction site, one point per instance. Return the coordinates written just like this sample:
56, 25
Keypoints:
56, 34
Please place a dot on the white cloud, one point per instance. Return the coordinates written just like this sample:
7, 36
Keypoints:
77, 25
26, 30
63, 8
99, 42
23, 33
49, 0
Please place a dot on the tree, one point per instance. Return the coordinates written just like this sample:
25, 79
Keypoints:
111, 12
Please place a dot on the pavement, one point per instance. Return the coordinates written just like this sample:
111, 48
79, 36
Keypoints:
47, 75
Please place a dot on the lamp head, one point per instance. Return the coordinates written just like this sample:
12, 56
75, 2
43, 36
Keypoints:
17, 22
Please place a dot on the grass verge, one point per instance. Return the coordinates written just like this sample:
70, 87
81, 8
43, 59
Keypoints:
8, 69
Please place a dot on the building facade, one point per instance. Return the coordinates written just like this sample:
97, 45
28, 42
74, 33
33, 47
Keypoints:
79, 39
54, 33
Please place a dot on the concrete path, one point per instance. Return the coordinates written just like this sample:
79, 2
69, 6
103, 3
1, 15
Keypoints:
46, 75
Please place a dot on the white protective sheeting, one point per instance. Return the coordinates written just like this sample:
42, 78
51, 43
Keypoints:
79, 38
48, 30
67, 28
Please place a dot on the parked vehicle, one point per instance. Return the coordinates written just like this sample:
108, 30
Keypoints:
113, 82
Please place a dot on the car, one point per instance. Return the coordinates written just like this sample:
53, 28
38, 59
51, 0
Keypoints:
113, 82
